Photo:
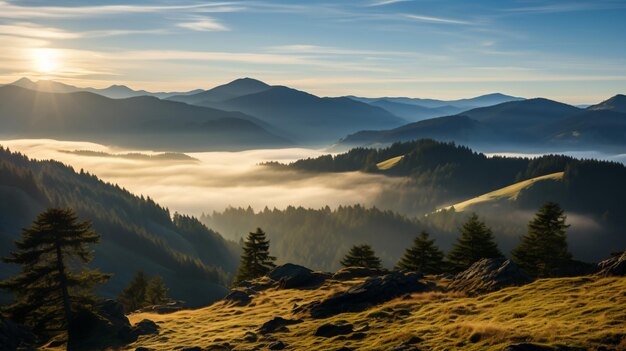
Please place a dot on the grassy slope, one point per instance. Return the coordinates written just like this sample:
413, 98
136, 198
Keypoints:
582, 311
510, 192
390, 163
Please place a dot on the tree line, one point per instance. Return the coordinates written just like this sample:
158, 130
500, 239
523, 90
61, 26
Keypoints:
541, 252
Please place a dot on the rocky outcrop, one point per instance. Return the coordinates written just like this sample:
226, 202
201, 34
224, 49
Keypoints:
170, 307
240, 297
277, 324
371, 292
487, 275
349, 273
145, 327
329, 330
13, 336
614, 266
292, 276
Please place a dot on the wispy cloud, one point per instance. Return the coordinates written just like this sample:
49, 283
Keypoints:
31, 30
10, 10
386, 2
204, 25
440, 20
569, 7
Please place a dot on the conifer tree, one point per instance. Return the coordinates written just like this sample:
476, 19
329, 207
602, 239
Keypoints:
475, 242
49, 290
255, 259
424, 256
134, 295
543, 252
361, 256
156, 292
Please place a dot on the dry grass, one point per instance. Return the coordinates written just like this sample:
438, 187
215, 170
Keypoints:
582, 311
507, 193
389, 164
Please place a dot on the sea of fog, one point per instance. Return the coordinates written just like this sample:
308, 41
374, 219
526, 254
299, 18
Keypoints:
216, 180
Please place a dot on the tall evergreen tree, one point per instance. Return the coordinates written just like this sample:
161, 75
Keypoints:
361, 256
543, 252
424, 256
475, 242
53, 283
134, 295
255, 259
156, 292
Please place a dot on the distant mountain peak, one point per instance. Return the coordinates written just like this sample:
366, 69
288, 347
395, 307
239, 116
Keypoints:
616, 103
23, 80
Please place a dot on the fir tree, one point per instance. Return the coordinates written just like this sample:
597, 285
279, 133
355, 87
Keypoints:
134, 295
53, 284
424, 256
361, 256
543, 252
156, 292
475, 242
255, 259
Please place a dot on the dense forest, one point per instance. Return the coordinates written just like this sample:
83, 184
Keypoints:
137, 233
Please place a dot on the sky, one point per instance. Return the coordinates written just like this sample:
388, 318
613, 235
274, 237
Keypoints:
571, 51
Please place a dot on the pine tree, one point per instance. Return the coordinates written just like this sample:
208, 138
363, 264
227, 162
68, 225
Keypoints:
255, 259
134, 295
361, 256
156, 292
476, 242
542, 252
424, 256
53, 284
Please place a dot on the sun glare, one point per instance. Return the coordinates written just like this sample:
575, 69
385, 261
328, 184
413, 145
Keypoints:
45, 60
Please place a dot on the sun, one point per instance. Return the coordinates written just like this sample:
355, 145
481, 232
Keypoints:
45, 60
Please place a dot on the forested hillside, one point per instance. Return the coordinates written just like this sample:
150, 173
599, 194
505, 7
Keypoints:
137, 233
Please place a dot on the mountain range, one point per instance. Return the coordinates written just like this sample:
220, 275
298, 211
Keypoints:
113, 92
534, 122
247, 113
299, 115
132, 122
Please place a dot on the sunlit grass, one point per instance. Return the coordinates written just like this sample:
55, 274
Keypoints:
583, 311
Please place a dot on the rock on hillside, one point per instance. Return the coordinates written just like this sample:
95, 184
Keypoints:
487, 275
614, 266
373, 291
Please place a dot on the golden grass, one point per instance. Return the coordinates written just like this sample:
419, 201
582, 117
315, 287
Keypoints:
582, 311
390, 163
510, 192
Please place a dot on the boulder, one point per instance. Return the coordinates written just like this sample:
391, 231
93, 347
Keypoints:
329, 330
277, 345
170, 307
291, 276
350, 273
614, 266
107, 323
13, 336
145, 327
277, 324
256, 285
487, 275
371, 292
238, 298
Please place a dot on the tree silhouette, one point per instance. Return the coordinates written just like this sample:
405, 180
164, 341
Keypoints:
53, 283
156, 292
424, 256
542, 252
255, 259
134, 295
361, 256
475, 242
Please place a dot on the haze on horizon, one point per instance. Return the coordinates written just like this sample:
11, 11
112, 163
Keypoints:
567, 51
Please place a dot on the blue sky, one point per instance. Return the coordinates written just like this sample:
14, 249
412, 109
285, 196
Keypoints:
573, 51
